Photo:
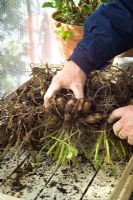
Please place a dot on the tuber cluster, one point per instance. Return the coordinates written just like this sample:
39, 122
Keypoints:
60, 130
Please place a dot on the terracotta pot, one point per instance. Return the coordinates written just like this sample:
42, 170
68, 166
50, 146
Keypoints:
67, 48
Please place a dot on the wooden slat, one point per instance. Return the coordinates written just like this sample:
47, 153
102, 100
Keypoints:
127, 189
128, 170
68, 183
65, 185
72, 181
103, 184
7, 197
31, 181
9, 164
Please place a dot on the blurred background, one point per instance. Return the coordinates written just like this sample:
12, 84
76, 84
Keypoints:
25, 38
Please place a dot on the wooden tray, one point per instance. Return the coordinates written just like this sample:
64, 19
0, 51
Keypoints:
79, 183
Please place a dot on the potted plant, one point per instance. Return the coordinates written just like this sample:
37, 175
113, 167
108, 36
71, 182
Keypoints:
68, 20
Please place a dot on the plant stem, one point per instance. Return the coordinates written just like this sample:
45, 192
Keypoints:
117, 149
98, 146
60, 157
107, 147
123, 149
54, 145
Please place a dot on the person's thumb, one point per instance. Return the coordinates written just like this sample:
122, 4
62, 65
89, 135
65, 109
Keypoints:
51, 92
115, 115
78, 91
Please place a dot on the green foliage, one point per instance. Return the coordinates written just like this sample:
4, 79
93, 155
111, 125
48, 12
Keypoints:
107, 144
71, 12
71, 152
62, 150
64, 33
48, 4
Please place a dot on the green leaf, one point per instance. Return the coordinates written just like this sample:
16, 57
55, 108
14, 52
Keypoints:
85, 9
72, 152
48, 4
64, 33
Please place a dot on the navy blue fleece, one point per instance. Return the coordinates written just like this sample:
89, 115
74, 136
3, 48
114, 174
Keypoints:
107, 33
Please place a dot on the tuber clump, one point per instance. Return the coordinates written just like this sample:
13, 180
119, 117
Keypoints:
59, 130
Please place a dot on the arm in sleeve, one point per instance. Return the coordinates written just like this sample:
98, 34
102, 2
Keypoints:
107, 33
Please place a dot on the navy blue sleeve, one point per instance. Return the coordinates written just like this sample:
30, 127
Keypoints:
107, 33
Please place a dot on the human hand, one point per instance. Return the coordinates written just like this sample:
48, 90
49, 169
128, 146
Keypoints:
123, 128
70, 77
